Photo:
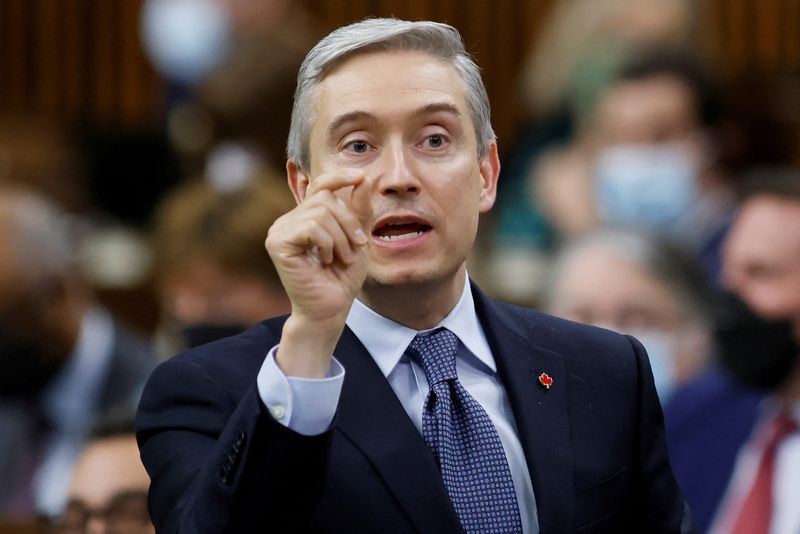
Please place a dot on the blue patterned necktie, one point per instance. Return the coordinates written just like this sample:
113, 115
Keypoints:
464, 442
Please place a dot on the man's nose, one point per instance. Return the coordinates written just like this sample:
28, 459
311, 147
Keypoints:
398, 175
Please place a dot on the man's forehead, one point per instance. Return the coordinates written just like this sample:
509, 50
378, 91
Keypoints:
356, 80
767, 211
768, 226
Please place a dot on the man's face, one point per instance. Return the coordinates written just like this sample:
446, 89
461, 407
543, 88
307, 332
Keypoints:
109, 489
762, 257
402, 119
598, 286
650, 111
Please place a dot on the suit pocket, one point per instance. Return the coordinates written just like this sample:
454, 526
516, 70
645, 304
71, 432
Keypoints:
601, 505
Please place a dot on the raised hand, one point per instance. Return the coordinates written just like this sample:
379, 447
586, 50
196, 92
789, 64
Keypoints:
319, 251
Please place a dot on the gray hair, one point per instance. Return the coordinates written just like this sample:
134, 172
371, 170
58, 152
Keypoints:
44, 239
657, 255
385, 34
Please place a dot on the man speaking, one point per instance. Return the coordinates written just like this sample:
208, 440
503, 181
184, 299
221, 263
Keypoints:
396, 397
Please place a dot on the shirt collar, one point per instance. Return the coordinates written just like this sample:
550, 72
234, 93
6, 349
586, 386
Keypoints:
387, 340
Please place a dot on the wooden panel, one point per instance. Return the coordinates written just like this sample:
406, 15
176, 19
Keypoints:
768, 39
73, 64
46, 57
15, 74
791, 33
81, 59
104, 24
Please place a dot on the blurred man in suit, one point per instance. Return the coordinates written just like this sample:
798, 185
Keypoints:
733, 432
64, 359
396, 397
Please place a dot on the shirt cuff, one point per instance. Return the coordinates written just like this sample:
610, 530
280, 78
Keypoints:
304, 405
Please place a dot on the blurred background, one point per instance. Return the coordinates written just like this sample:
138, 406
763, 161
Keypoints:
106, 106
142, 162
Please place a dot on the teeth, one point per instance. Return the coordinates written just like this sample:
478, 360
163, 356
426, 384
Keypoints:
399, 237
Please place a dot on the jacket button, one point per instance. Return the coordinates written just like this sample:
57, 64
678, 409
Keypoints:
278, 412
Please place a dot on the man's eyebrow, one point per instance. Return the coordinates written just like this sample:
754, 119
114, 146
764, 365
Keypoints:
438, 107
345, 118
435, 107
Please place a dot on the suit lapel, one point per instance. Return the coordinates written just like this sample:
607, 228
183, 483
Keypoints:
541, 414
371, 416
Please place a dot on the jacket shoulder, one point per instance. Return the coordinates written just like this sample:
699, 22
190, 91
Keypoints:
579, 340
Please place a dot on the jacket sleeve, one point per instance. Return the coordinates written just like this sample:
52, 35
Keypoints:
218, 462
663, 508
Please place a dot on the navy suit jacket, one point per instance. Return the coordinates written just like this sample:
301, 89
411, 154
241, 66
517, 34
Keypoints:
594, 442
708, 422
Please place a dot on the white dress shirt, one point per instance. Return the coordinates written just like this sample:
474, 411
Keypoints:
308, 406
786, 481
70, 401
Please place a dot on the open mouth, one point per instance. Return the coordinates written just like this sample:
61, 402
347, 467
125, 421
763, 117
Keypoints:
400, 230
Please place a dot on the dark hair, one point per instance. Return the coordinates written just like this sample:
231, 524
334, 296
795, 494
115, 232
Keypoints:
113, 422
781, 182
681, 64
225, 227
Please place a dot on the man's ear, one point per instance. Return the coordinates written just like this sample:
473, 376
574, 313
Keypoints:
490, 170
298, 180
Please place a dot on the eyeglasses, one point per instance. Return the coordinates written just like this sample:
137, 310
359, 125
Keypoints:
126, 513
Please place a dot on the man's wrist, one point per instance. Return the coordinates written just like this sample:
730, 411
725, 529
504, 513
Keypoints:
306, 347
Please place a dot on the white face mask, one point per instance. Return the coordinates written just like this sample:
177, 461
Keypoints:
185, 39
660, 350
645, 185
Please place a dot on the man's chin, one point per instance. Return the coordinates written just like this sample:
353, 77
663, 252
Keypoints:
398, 280
408, 278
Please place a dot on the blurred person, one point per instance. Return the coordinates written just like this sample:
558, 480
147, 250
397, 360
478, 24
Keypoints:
214, 279
64, 359
589, 38
396, 396
575, 29
108, 490
648, 156
647, 152
733, 432
643, 285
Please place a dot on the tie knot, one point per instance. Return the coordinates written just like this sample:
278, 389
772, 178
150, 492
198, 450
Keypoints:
436, 352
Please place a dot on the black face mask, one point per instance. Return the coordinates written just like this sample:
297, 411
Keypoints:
200, 334
25, 368
759, 353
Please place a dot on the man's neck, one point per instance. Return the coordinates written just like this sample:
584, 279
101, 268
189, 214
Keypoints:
419, 306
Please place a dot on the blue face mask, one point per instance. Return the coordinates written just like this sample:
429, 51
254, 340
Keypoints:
645, 185
659, 348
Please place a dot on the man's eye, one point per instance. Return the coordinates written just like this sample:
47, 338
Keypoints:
435, 141
359, 147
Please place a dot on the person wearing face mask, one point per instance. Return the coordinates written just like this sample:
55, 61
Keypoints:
639, 284
64, 360
733, 432
648, 155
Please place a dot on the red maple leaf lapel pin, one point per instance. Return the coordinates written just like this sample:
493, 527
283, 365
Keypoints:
545, 380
